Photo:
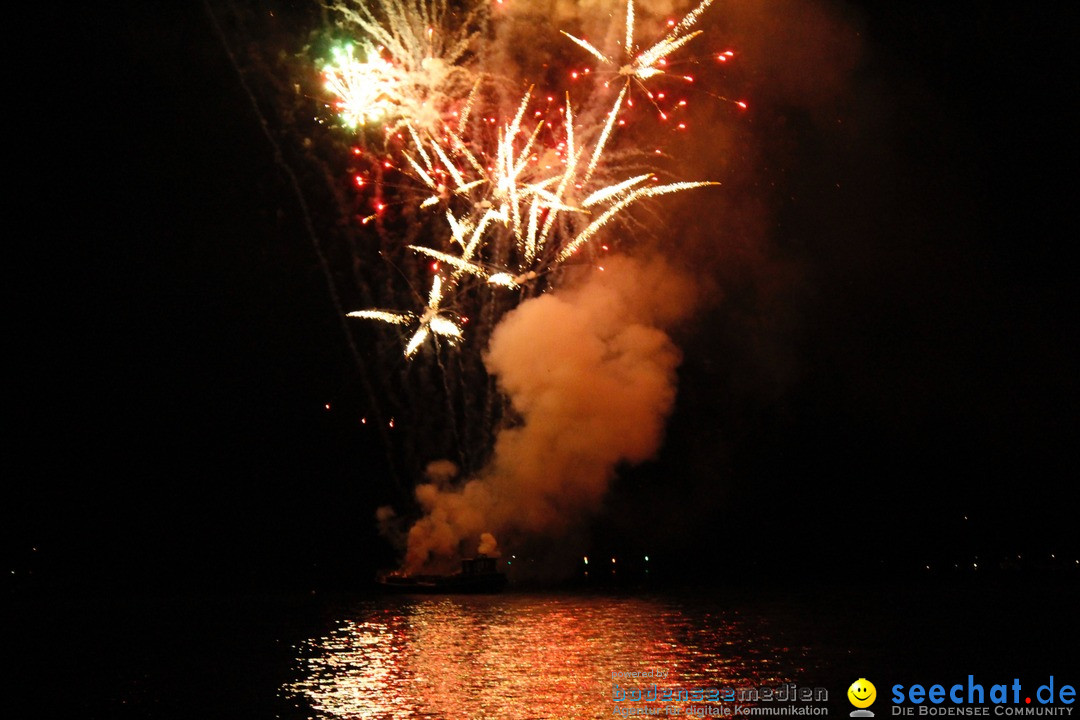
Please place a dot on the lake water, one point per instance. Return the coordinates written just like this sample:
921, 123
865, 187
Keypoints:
517, 655
524, 656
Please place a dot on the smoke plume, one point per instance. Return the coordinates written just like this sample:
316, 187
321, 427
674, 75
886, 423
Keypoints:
590, 376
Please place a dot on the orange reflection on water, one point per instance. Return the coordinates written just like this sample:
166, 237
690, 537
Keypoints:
518, 656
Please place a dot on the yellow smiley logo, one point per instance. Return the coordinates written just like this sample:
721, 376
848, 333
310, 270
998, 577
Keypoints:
862, 693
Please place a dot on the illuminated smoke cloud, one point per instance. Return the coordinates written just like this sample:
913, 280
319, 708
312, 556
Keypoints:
599, 17
441, 472
488, 546
590, 375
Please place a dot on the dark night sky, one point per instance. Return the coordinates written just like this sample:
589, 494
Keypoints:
173, 340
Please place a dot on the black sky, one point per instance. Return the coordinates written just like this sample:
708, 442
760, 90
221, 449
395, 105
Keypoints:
173, 340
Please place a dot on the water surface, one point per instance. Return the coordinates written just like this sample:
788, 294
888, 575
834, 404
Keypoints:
515, 655
528, 656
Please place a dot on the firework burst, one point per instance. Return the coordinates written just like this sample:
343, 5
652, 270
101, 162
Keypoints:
520, 219
462, 184
418, 62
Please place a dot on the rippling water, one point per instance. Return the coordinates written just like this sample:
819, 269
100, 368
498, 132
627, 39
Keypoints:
514, 655
521, 656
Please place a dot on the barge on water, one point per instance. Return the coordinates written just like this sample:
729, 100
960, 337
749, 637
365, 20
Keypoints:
478, 575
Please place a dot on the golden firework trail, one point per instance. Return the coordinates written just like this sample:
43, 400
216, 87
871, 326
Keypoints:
431, 320
643, 65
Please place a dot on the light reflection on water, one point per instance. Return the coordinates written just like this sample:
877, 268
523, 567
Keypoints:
525, 656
